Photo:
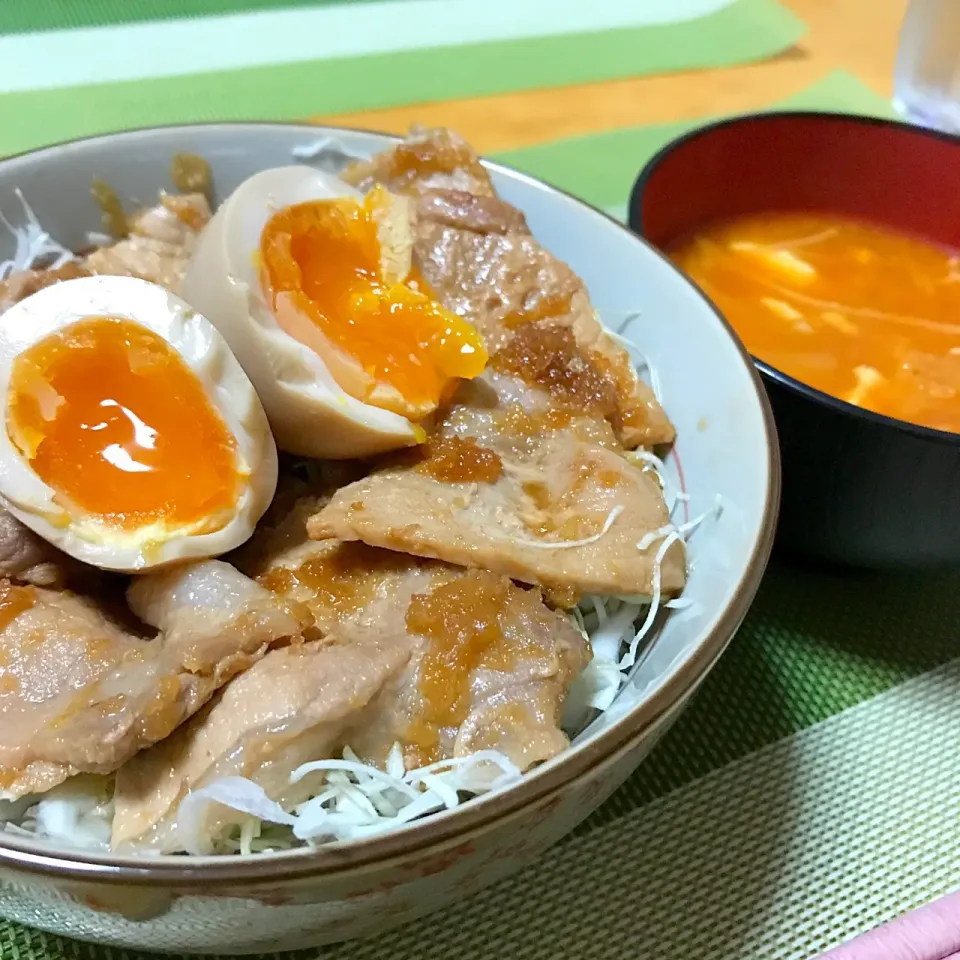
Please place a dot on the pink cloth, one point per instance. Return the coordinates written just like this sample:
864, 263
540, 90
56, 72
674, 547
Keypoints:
930, 933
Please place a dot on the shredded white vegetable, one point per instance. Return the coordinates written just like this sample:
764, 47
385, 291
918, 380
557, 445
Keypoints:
353, 799
33, 242
610, 623
78, 812
325, 153
649, 539
630, 657
619, 333
653, 464
566, 544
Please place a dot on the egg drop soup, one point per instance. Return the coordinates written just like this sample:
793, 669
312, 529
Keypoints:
862, 312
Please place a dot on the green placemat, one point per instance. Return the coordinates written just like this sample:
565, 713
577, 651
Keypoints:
602, 168
807, 794
21, 16
292, 64
772, 23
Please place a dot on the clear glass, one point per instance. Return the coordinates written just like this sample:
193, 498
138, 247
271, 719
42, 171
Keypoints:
927, 77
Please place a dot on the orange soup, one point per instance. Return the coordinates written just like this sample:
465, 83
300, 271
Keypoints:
859, 311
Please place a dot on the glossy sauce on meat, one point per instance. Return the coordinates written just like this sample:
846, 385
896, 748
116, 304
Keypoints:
13, 601
460, 460
343, 581
547, 355
415, 162
82, 694
558, 403
467, 624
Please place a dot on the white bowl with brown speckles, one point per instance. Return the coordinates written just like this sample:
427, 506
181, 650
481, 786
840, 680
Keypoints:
726, 448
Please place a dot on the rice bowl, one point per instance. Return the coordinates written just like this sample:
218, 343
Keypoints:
655, 673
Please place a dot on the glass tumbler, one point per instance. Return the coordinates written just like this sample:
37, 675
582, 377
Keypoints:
927, 76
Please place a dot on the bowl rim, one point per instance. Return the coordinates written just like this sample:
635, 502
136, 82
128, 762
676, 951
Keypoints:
331, 859
775, 374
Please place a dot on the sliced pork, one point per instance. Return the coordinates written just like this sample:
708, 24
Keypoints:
27, 558
81, 693
443, 661
472, 635
427, 161
478, 257
514, 484
24, 283
297, 704
161, 241
524, 474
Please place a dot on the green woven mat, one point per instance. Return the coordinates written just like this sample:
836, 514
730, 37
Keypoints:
815, 691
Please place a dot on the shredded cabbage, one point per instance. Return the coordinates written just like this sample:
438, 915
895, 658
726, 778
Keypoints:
33, 242
566, 544
326, 154
619, 333
610, 623
353, 799
78, 812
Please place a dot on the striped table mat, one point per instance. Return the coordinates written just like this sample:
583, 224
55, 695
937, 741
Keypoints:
118, 67
809, 791
601, 168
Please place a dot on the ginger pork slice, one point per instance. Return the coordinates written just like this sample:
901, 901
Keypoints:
524, 474
490, 663
161, 241
479, 259
27, 558
81, 693
443, 661
24, 283
427, 160
158, 248
575, 519
514, 482
295, 705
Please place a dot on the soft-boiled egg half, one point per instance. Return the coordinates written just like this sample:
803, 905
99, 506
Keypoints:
311, 285
133, 437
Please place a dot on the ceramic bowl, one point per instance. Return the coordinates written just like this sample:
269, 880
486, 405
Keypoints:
859, 488
726, 453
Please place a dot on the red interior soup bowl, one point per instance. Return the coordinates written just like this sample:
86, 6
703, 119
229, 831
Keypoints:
859, 488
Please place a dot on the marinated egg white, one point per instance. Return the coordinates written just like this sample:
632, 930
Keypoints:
133, 437
309, 283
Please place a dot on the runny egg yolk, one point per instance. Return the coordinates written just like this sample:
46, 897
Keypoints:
325, 256
115, 422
